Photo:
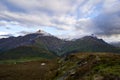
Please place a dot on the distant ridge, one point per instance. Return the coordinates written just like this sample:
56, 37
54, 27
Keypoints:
46, 42
116, 44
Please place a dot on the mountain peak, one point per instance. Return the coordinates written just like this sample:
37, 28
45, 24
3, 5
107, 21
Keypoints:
93, 39
40, 31
43, 33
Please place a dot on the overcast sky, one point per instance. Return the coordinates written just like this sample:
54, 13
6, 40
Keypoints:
62, 18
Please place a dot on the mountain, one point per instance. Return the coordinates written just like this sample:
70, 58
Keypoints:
24, 52
117, 44
89, 44
40, 39
40, 42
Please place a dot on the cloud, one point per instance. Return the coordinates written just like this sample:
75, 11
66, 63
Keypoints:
89, 7
108, 22
75, 17
2, 7
23, 32
4, 34
45, 5
56, 13
30, 20
7, 35
111, 6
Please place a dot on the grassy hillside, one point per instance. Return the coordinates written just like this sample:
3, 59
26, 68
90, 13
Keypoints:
79, 66
52, 44
89, 44
89, 66
26, 52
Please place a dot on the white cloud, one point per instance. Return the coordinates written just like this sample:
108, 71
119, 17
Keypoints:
61, 10
77, 17
88, 7
3, 33
111, 6
4, 23
115, 38
31, 20
58, 6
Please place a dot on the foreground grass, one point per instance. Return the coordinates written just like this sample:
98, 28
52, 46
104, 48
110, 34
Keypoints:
79, 66
32, 70
16, 61
90, 66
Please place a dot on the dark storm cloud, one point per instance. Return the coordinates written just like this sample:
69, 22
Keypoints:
107, 24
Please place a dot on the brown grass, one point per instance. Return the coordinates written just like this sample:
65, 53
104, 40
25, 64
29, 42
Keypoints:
28, 71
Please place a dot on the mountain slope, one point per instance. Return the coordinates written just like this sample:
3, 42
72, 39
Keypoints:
117, 44
30, 45
42, 41
48, 42
89, 66
26, 52
89, 44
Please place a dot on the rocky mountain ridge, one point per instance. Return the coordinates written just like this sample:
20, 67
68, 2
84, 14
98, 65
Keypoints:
47, 42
